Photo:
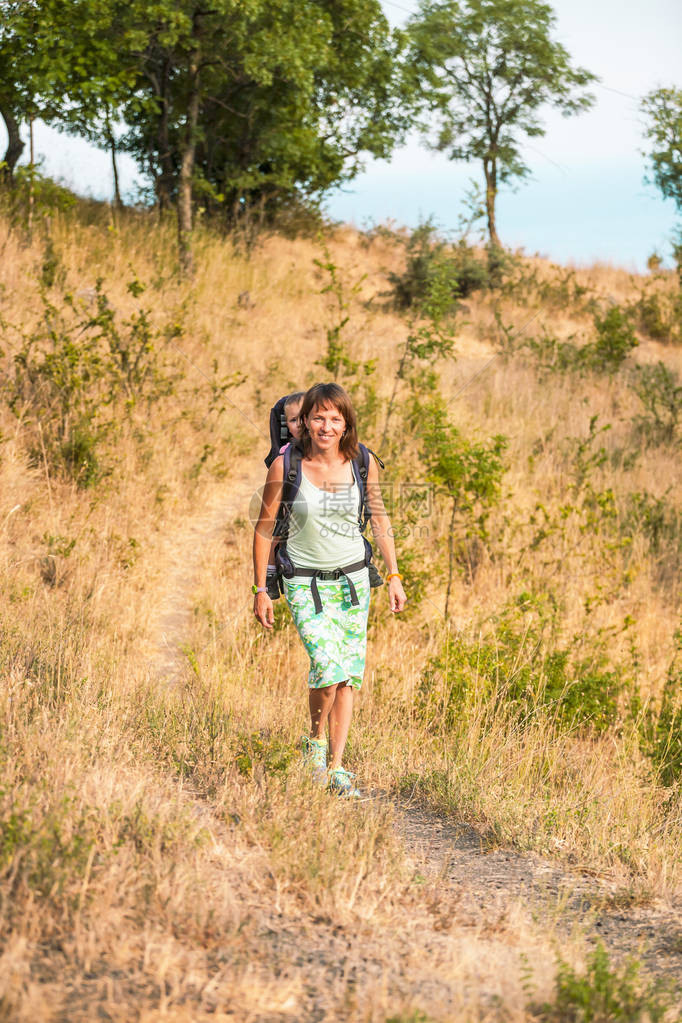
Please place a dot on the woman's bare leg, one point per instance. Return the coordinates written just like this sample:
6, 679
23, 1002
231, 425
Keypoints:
340, 715
320, 702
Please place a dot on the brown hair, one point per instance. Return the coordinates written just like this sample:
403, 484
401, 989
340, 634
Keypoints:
331, 396
293, 399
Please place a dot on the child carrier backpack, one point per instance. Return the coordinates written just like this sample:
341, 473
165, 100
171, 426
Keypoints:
279, 431
293, 457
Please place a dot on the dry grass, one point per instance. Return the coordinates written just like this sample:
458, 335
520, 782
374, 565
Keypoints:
162, 854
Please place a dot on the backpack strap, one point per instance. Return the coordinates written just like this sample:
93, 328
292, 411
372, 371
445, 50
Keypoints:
291, 484
375, 456
361, 471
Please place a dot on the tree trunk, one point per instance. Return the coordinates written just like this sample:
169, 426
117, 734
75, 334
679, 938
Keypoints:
490, 171
15, 146
164, 180
186, 173
495, 251
112, 149
31, 183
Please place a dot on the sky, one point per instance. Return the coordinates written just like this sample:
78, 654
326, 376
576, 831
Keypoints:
586, 199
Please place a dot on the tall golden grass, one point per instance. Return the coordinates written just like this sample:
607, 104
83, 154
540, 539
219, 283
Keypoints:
163, 854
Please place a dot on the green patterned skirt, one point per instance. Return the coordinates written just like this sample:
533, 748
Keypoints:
336, 639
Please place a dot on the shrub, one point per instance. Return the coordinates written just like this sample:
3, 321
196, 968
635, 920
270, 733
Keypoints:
659, 315
603, 994
466, 477
428, 258
471, 274
554, 355
519, 670
651, 317
615, 340
659, 389
33, 190
261, 750
659, 522
561, 291
79, 373
661, 727
45, 849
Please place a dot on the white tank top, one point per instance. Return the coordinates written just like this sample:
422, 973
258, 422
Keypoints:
323, 529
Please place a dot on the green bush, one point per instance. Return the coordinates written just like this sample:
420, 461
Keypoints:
553, 355
45, 850
519, 669
523, 284
659, 316
272, 754
659, 389
33, 190
603, 994
651, 317
615, 339
430, 257
661, 727
659, 522
466, 480
78, 375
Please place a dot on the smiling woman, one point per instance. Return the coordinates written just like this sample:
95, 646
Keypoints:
327, 580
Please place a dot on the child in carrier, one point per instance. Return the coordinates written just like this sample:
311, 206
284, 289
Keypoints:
286, 428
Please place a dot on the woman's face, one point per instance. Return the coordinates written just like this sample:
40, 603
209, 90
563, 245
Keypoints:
326, 427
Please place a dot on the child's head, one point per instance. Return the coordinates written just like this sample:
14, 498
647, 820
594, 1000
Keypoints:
292, 412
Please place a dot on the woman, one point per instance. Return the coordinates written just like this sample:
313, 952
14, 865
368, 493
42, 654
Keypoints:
330, 609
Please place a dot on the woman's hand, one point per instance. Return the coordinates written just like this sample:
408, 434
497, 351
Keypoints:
396, 594
264, 611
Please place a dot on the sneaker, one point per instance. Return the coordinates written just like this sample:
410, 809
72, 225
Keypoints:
341, 783
272, 585
315, 756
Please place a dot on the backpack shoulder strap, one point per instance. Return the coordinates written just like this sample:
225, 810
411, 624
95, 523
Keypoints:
291, 484
374, 456
361, 472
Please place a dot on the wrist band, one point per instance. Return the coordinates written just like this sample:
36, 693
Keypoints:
394, 575
258, 589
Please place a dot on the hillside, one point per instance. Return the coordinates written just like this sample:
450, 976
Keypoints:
163, 856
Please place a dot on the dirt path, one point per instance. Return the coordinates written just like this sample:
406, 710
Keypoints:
170, 628
489, 881
478, 887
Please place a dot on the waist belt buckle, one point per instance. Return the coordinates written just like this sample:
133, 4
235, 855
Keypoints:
331, 573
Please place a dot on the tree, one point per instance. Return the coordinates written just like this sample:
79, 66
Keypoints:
61, 61
254, 100
234, 103
484, 68
17, 77
663, 109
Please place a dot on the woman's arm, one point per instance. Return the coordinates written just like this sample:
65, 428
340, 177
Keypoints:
262, 538
383, 534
